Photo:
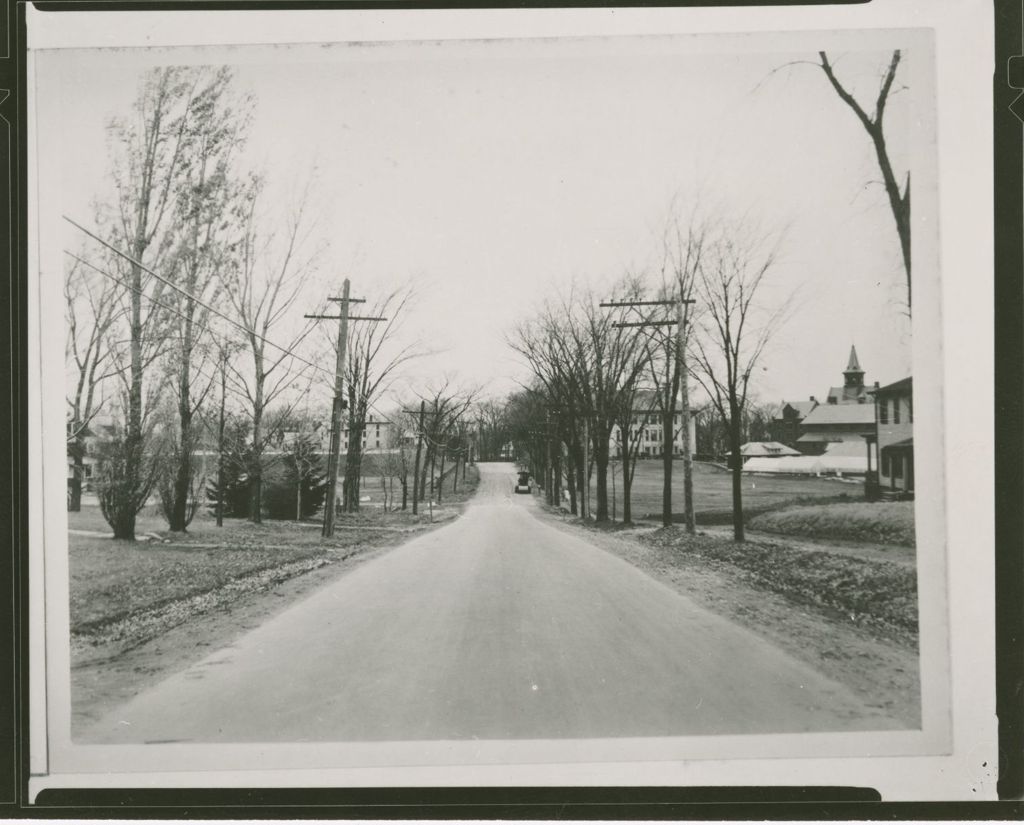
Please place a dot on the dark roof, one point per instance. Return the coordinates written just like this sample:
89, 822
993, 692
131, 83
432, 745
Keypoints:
896, 387
854, 365
841, 414
801, 407
847, 395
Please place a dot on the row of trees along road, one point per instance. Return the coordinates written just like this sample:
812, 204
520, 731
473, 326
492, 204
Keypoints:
590, 364
181, 307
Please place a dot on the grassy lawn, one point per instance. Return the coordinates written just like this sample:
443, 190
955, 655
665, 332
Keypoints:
712, 490
869, 593
884, 522
111, 580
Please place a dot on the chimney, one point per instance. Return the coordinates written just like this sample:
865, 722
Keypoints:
876, 385
812, 399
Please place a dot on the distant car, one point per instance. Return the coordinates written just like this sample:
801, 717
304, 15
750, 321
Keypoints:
523, 484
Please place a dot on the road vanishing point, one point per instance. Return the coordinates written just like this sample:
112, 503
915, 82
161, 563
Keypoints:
499, 625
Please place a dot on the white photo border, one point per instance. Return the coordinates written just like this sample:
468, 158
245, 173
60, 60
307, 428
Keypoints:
954, 757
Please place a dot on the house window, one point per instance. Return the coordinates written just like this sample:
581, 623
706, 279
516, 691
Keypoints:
883, 412
88, 470
886, 465
895, 411
910, 410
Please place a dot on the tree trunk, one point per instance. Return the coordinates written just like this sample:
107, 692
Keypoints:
691, 517
256, 475
601, 462
557, 462
627, 478
433, 470
353, 465
735, 440
128, 507
183, 473
405, 492
220, 447
78, 473
570, 479
581, 480
440, 480
666, 463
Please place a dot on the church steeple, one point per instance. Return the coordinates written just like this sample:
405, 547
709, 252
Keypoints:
853, 373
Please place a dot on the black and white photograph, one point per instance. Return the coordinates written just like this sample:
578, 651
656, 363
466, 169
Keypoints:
433, 400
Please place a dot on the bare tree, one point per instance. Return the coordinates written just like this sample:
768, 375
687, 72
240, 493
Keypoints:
147, 155
262, 289
899, 196
207, 216
375, 358
734, 331
90, 310
447, 405
587, 365
492, 428
683, 243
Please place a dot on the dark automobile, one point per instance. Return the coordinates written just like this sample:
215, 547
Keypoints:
523, 484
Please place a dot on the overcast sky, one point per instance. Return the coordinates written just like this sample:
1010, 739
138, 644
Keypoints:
495, 173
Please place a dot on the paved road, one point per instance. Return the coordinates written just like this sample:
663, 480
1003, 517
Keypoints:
497, 626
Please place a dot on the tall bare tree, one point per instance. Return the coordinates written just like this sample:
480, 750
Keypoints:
148, 150
375, 358
683, 244
90, 310
271, 270
734, 331
207, 217
898, 194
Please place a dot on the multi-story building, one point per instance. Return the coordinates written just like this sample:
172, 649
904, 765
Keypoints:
785, 427
894, 437
648, 425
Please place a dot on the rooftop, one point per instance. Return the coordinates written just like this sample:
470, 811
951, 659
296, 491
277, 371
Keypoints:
841, 414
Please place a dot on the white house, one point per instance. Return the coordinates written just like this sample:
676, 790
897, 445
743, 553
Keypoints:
648, 425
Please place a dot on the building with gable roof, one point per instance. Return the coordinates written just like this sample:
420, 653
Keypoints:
846, 415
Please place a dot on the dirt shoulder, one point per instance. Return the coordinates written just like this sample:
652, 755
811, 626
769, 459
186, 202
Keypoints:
880, 667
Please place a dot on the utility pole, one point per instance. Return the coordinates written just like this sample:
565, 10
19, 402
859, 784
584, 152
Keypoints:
548, 471
682, 312
338, 405
668, 423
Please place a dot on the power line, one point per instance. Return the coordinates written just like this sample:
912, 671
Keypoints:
142, 293
201, 303
200, 328
218, 313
